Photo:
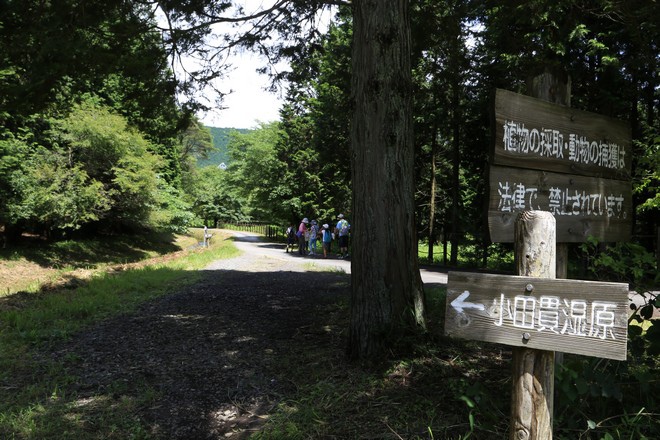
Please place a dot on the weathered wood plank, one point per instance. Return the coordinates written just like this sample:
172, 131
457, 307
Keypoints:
532, 133
573, 316
582, 206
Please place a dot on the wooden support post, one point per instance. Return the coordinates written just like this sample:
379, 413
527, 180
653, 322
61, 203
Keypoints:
556, 88
533, 370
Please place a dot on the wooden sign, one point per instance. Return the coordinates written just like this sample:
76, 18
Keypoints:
582, 206
572, 163
536, 134
572, 316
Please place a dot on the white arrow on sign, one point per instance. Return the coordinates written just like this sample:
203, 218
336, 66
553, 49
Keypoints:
459, 303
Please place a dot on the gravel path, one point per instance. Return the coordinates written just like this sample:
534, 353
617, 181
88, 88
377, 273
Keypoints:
212, 352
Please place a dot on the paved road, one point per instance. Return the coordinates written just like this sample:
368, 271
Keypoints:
252, 244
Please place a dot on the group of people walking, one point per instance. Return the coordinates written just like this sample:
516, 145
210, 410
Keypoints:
308, 234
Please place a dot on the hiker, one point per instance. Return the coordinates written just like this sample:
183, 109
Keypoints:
327, 239
313, 235
342, 230
302, 229
290, 237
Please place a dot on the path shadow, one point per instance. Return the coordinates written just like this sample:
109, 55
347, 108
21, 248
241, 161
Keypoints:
215, 354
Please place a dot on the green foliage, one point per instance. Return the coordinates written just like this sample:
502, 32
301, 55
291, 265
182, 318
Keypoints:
51, 191
315, 144
115, 157
607, 399
624, 262
219, 154
213, 198
64, 64
170, 211
647, 182
272, 175
87, 168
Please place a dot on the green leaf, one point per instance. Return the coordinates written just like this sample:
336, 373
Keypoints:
469, 402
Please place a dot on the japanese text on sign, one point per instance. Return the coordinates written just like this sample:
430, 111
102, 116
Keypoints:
561, 202
546, 142
552, 314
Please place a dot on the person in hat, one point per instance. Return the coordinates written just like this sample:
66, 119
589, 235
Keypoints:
302, 229
342, 230
327, 239
313, 235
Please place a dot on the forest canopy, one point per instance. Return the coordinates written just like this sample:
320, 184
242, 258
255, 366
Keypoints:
96, 119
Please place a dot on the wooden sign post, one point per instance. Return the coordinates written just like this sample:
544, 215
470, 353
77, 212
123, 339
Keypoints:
533, 370
537, 315
588, 318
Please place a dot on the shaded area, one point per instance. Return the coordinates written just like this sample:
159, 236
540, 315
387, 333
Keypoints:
38, 265
90, 252
211, 353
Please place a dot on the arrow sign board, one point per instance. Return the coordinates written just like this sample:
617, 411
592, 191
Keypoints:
572, 316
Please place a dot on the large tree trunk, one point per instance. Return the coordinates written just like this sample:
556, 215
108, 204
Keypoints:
456, 230
387, 296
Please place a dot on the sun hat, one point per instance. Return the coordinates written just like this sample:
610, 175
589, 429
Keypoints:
305, 220
313, 222
340, 216
325, 225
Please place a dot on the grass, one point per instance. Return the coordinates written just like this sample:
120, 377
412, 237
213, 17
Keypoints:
419, 393
35, 263
469, 256
32, 403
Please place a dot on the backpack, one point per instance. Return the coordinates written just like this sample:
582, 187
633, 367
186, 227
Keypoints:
344, 228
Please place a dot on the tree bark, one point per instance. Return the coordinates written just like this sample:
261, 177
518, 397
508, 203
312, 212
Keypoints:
456, 230
387, 296
434, 183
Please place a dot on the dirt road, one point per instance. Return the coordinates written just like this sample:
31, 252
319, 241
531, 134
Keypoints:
213, 355
273, 255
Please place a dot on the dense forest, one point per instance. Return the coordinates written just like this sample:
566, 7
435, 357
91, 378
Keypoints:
100, 134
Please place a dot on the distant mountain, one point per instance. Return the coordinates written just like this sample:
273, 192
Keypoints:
221, 138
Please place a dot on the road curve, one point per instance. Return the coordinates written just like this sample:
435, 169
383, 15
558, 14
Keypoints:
254, 245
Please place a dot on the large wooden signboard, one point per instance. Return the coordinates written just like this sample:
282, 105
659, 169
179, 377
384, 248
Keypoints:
572, 316
572, 163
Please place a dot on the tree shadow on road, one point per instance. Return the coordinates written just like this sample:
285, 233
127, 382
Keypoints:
214, 355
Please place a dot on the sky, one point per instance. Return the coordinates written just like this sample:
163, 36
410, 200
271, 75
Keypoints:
249, 103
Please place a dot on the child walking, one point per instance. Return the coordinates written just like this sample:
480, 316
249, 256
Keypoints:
327, 239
